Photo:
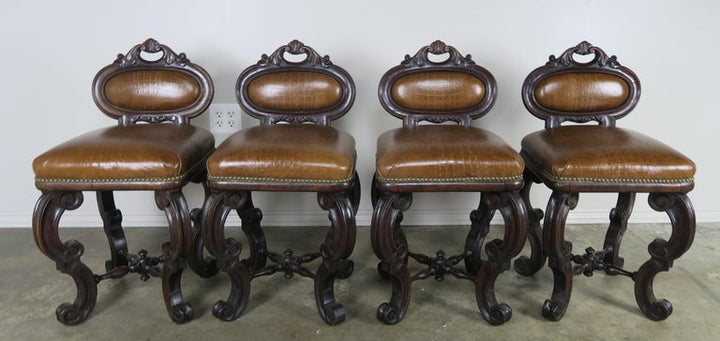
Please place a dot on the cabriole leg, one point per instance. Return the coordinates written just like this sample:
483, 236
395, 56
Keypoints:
46, 217
479, 228
250, 216
682, 216
524, 265
204, 267
227, 251
392, 249
618, 224
173, 203
112, 224
339, 244
500, 253
558, 252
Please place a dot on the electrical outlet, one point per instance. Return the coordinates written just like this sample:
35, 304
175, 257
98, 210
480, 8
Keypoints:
225, 118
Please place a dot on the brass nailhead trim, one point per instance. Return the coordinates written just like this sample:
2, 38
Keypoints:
253, 179
615, 180
465, 179
174, 178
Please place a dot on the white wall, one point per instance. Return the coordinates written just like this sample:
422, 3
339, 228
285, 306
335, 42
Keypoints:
52, 49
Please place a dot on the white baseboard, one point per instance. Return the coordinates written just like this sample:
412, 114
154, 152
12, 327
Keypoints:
320, 218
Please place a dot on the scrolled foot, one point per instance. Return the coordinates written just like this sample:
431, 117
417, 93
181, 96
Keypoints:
181, 313
659, 310
388, 314
225, 311
524, 266
499, 314
345, 269
383, 269
70, 314
334, 314
553, 311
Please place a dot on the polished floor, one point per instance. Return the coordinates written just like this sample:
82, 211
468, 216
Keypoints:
602, 307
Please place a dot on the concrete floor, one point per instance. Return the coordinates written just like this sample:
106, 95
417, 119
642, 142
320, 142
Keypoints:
602, 307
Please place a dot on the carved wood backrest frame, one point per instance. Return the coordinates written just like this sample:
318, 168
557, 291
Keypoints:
420, 63
169, 60
565, 64
314, 63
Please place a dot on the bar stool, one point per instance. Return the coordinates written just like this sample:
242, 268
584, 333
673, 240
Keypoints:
153, 148
444, 158
570, 159
305, 154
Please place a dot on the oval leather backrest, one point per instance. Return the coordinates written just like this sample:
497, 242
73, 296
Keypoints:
564, 89
152, 90
582, 92
306, 91
454, 89
312, 90
438, 91
168, 88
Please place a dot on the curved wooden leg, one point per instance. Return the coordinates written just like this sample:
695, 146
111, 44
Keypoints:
204, 267
112, 224
355, 193
558, 252
479, 228
227, 251
339, 244
618, 224
46, 216
251, 217
392, 251
173, 203
682, 216
528, 266
500, 253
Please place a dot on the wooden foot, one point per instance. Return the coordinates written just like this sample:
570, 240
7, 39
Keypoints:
227, 251
662, 253
173, 203
392, 250
500, 253
339, 244
558, 252
46, 217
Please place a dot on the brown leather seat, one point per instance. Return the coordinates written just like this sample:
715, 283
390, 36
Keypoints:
305, 154
140, 156
598, 158
153, 148
444, 153
285, 153
444, 158
617, 156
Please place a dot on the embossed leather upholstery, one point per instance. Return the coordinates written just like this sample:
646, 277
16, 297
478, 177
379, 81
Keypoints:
438, 90
605, 155
288, 91
152, 90
444, 153
581, 92
144, 156
285, 153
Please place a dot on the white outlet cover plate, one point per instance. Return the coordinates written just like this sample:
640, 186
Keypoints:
225, 118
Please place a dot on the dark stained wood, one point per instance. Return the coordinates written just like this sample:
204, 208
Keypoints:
391, 198
340, 198
669, 197
182, 245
